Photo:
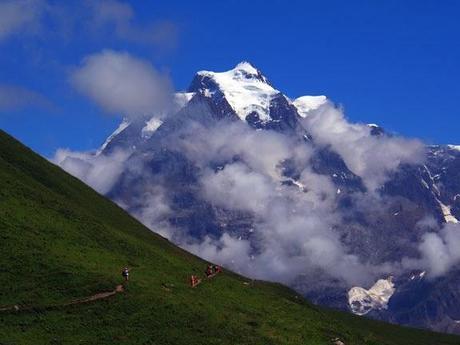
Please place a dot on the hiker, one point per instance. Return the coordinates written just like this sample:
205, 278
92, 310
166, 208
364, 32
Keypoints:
125, 273
217, 269
194, 281
209, 271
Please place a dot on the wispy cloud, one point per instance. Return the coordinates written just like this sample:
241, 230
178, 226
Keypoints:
119, 18
14, 97
99, 20
20, 16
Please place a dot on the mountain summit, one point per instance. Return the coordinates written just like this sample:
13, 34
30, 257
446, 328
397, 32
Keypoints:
247, 91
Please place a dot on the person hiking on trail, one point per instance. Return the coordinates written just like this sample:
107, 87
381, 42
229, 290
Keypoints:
194, 281
125, 273
217, 269
209, 271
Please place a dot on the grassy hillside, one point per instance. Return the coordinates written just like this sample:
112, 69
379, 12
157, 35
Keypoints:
61, 241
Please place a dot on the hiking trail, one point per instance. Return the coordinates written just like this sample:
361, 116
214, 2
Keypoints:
101, 295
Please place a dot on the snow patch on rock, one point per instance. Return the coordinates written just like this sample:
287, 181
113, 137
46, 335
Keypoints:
362, 301
150, 127
123, 125
306, 104
182, 98
454, 147
448, 217
418, 275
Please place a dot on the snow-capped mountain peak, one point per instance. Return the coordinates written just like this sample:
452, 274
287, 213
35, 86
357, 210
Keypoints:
244, 87
243, 70
247, 67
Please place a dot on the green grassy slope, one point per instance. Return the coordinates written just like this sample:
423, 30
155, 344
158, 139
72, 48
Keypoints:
60, 241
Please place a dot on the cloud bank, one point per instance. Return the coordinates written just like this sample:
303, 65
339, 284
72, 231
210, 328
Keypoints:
293, 231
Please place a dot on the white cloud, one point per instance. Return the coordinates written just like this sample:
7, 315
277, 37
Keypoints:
122, 84
229, 187
98, 171
372, 158
261, 150
155, 210
439, 251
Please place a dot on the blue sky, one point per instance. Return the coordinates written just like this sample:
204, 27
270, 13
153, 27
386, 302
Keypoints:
395, 63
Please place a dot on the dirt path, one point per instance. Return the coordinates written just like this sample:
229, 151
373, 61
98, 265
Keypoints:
101, 295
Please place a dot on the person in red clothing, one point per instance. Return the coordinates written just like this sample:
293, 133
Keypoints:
209, 271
